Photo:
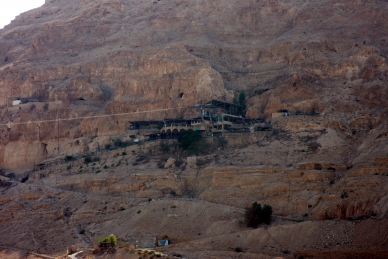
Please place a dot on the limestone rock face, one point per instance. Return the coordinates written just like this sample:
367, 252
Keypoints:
83, 58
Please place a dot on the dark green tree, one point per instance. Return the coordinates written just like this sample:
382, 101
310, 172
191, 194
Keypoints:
241, 98
188, 138
256, 215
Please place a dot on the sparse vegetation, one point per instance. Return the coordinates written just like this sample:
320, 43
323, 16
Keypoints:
222, 142
118, 143
89, 159
70, 158
256, 215
164, 147
238, 250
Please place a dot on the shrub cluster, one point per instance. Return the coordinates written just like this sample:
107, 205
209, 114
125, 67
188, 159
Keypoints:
70, 158
110, 240
89, 159
256, 215
118, 143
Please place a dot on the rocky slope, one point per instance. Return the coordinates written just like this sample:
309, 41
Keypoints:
80, 58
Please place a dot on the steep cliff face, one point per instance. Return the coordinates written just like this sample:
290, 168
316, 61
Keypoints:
80, 58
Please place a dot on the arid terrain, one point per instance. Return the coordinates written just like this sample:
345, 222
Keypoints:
84, 69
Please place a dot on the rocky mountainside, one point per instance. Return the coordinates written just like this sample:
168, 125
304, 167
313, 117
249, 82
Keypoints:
80, 58
324, 170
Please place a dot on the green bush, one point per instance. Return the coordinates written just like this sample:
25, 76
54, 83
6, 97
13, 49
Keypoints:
256, 215
111, 240
199, 147
188, 138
